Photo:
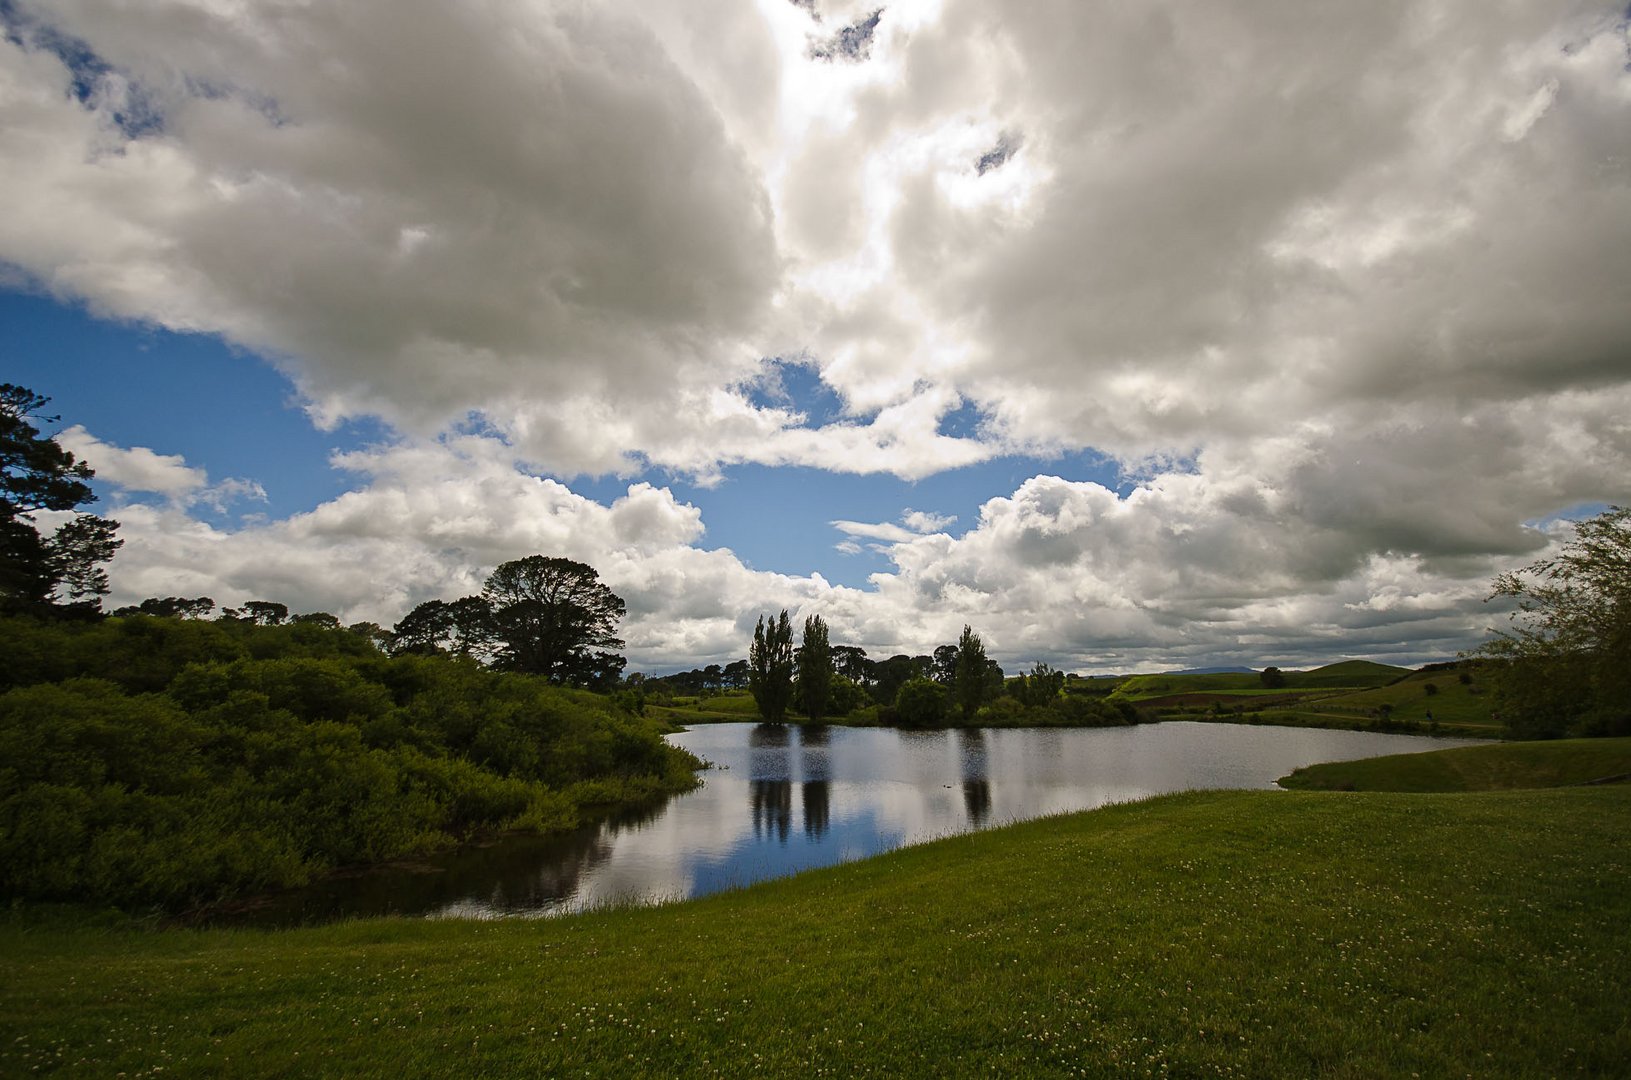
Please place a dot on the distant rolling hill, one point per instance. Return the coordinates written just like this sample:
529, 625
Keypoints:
1214, 671
1350, 693
1345, 674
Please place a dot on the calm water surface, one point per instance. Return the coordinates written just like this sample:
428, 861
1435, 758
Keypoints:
782, 799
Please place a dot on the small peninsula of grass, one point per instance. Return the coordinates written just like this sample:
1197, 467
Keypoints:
1498, 767
1217, 933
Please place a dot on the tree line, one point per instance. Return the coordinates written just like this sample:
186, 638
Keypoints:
916, 688
957, 686
1560, 667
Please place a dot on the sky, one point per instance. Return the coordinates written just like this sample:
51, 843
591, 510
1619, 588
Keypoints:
1137, 337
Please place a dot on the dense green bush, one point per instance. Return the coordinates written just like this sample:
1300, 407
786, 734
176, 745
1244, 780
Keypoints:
156, 761
920, 703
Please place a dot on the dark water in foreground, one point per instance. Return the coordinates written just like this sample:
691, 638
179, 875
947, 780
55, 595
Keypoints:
784, 799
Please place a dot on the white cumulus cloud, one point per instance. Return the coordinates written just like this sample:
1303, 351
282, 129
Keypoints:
1339, 287
141, 470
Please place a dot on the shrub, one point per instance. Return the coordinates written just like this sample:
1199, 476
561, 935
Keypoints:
226, 759
920, 703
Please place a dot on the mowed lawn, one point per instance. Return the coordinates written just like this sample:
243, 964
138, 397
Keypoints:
1208, 934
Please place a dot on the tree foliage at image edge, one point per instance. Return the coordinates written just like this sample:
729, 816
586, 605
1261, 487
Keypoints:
58, 573
1564, 663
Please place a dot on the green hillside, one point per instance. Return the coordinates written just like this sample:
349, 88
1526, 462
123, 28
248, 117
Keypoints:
1349, 694
1347, 674
1146, 687
1409, 700
1498, 767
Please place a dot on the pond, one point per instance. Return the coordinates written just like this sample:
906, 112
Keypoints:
783, 799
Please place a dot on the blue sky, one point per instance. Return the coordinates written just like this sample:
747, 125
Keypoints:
230, 412
221, 408
1253, 362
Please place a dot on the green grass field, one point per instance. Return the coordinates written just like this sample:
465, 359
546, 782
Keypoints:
1207, 934
1499, 767
732, 706
1458, 708
1144, 687
1453, 702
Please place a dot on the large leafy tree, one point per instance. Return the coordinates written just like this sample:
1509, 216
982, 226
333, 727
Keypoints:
888, 676
463, 627
1564, 662
554, 617
815, 669
851, 662
770, 667
62, 569
265, 612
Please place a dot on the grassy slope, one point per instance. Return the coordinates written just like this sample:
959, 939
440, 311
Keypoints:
1344, 675
733, 706
1255, 933
1503, 766
1145, 687
1454, 703
1344, 695
1458, 709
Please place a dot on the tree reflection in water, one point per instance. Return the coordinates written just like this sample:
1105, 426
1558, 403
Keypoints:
817, 808
513, 874
976, 786
770, 783
816, 768
772, 803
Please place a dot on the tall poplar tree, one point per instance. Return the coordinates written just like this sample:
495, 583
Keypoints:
815, 669
770, 667
969, 685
